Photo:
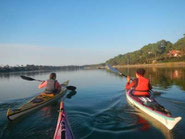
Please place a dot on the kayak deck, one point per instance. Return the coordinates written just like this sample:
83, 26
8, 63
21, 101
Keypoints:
35, 103
63, 130
162, 116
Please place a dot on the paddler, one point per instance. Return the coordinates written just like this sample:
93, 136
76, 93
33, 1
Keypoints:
52, 85
140, 84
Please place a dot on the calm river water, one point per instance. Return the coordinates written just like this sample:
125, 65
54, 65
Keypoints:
98, 110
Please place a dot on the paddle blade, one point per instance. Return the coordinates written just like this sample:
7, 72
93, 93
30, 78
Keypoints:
113, 69
27, 78
116, 71
72, 93
155, 93
72, 88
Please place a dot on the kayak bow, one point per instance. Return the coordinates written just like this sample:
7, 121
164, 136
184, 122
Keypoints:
63, 130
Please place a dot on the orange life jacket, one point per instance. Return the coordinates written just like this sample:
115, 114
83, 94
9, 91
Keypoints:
142, 87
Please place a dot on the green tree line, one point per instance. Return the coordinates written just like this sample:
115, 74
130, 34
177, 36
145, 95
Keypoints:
154, 52
8, 68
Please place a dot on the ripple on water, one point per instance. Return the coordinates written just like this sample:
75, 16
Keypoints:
115, 120
4, 105
82, 123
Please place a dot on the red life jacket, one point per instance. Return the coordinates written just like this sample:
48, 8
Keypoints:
142, 87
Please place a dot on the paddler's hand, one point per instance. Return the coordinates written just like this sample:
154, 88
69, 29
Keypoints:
42, 82
128, 79
121, 74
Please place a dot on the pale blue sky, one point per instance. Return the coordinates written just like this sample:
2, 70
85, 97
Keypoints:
65, 32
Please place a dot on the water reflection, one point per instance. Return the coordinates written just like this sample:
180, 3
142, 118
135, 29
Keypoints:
48, 110
144, 119
144, 124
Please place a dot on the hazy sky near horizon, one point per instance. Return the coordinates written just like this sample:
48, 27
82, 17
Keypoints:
78, 32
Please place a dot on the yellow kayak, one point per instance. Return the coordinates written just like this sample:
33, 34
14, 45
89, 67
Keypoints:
35, 103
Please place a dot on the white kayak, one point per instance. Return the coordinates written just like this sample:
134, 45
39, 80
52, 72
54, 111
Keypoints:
163, 117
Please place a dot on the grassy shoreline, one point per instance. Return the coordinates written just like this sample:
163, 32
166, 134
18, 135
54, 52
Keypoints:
162, 65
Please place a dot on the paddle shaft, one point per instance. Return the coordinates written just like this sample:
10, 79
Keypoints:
29, 78
116, 71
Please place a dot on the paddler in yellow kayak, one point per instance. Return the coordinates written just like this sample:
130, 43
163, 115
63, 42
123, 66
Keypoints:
141, 85
52, 86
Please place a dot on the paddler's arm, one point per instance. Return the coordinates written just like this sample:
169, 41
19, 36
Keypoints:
58, 86
128, 84
43, 84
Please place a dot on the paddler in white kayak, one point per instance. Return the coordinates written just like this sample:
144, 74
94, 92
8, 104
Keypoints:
52, 85
141, 84
141, 88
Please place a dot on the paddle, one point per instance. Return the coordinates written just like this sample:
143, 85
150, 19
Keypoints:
72, 88
72, 93
116, 71
29, 78
121, 74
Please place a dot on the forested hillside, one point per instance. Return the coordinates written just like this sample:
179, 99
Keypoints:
161, 51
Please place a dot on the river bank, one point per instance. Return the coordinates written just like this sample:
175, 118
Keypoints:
36, 68
169, 64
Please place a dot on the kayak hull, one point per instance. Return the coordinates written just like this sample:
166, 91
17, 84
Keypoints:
63, 130
29, 106
168, 121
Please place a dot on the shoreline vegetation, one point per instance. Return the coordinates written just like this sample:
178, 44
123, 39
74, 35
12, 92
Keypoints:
7, 68
44, 68
157, 65
162, 65
153, 54
38, 68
